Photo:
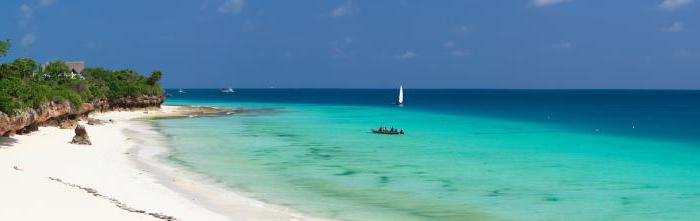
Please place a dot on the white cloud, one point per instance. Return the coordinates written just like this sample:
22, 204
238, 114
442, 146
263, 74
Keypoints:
454, 49
345, 9
448, 44
545, 3
27, 11
459, 52
671, 5
463, 29
46, 3
407, 55
232, 6
27, 14
27, 40
675, 27
341, 48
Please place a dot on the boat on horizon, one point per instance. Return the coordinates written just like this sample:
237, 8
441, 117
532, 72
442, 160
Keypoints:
181, 91
399, 101
228, 90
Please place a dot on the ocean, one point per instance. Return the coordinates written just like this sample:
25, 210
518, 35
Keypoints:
466, 154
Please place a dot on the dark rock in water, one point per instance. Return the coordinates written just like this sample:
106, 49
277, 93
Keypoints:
81, 136
383, 179
93, 121
551, 198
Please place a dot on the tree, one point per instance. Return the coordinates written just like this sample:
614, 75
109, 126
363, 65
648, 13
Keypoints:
25, 67
155, 77
55, 69
4, 47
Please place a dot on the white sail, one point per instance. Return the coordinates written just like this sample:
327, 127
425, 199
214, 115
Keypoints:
401, 94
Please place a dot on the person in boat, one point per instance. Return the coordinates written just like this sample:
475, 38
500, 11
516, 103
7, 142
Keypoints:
401, 131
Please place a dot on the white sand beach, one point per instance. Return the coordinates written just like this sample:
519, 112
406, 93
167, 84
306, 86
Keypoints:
119, 177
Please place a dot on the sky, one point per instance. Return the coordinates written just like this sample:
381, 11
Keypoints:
528, 44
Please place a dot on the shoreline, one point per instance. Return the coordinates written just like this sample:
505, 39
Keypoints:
122, 176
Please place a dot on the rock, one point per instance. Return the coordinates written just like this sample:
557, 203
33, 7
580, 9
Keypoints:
56, 112
81, 136
28, 129
129, 103
67, 124
93, 121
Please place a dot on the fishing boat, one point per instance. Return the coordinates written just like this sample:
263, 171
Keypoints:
383, 130
399, 101
228, 90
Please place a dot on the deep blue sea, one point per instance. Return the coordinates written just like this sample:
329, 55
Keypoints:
466, 154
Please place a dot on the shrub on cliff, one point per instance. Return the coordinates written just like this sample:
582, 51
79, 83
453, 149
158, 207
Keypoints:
4, 46
122, 83
22, 87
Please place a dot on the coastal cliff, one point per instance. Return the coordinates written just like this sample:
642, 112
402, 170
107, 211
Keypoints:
58, 112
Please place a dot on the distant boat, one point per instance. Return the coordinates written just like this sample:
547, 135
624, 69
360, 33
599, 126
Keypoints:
228, 90
399, 101
383, 130
181, 91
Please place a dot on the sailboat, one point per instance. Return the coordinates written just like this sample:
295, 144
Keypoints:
399, 102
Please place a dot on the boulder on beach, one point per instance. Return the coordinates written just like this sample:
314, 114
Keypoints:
81, 136
93, 121
67, 124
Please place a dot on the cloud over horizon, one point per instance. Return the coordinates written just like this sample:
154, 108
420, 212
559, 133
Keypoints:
670, 5
347, 8
675, 27
27, 40
46, 3
27, 13
407, 55
454, 50
232, 6
545, 3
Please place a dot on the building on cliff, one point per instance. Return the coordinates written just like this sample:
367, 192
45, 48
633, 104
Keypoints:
76, 68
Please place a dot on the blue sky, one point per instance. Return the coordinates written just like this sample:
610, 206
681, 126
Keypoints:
371, 44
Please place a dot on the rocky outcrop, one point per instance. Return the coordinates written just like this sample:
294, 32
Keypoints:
81, 137
29, 120
93, 121
63, 114
128, 103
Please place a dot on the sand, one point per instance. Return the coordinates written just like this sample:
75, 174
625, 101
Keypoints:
119, 177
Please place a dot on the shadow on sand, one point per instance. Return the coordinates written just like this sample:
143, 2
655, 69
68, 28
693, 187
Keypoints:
6, 142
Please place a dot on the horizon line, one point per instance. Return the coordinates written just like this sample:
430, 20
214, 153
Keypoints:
427, 88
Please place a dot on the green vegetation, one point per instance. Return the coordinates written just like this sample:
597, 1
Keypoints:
23, 84
4, 46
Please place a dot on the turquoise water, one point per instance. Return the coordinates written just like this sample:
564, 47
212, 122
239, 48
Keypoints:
318, 157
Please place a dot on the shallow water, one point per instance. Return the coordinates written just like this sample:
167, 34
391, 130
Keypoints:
467, 154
